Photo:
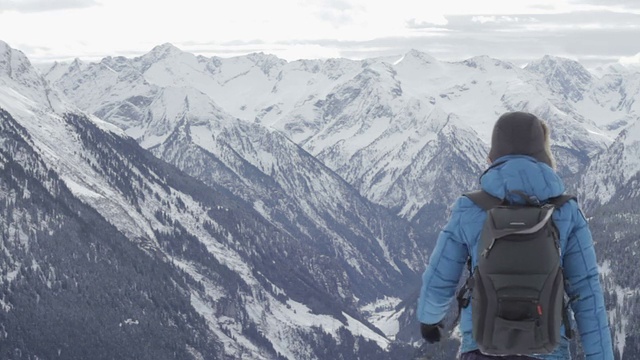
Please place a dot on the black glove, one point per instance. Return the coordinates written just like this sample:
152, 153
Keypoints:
431, 333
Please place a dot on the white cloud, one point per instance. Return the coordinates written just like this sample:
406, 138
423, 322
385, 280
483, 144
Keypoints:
291, 29
630, 60
610, 3
501, 7
31, 6
501, 19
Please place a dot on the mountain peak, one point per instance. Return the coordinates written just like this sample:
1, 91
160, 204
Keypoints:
13, 62
424, 57
76, 64
117, 63
4, 47
565, 76
158, 54
7, 52
164, 51
484, 62
18, 73
260, 58
5, 55
267, 63
550, 63
416, 56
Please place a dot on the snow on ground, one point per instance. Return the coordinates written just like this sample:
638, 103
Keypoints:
79, 190
383, 315
294, 315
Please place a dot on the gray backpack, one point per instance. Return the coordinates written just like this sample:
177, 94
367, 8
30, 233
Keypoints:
517, 286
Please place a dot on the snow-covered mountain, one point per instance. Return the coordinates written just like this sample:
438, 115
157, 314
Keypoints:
567, 79
309, 170
378, 123
305, 266
73, 286
609, 103
614, 172
184, 126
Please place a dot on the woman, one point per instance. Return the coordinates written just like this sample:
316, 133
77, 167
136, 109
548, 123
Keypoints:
521, 160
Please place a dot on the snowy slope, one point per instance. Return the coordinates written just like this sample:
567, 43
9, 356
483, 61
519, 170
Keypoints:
614, 172
184, 126
258, 280
339, 109
371, 128
410, 133
608, 105
17, 73
72, 284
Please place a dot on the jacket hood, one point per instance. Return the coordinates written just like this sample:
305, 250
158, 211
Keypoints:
521, 173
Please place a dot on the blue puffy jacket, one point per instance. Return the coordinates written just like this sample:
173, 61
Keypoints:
460, 237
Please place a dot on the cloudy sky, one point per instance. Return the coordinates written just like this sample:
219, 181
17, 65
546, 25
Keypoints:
591, 31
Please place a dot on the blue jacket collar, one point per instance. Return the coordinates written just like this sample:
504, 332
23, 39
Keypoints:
521, 173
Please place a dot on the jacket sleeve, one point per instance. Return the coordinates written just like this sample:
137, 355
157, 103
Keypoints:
583, 285
443, 272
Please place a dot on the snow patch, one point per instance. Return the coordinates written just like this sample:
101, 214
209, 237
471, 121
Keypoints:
383, 315
80, 190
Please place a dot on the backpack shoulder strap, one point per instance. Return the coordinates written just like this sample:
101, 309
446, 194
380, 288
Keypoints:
484, 200
558, 201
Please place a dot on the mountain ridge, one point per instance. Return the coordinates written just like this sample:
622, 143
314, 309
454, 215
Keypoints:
342, 170
249, 275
